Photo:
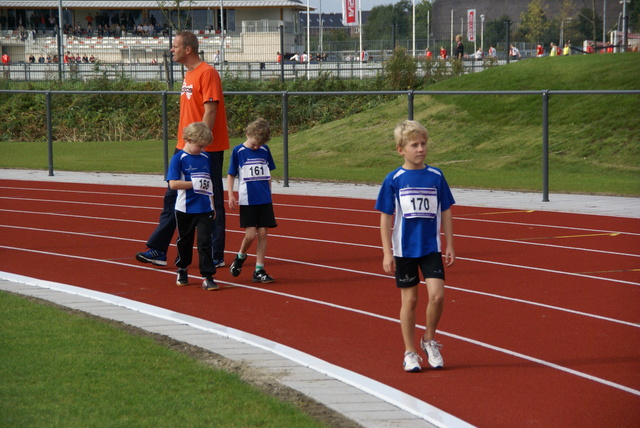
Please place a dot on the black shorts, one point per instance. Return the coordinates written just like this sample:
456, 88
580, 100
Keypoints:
407, 269
257, 216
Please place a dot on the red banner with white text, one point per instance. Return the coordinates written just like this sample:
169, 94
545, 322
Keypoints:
350, 12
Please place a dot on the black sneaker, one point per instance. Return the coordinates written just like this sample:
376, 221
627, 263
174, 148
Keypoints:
209, 284
219, 263
183, 277
236, 266
262, 276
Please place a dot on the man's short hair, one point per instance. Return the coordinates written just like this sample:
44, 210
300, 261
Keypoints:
189, 39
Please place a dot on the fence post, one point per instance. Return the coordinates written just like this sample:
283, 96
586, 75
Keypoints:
410, 97
165, 132
47, 97
545, 146
281, 27
285, 137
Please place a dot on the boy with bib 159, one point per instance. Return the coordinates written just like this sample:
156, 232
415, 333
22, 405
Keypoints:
420, 199
252, 163
190, 174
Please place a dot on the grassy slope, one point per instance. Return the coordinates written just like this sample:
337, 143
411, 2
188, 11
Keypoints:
495, 141
483, 141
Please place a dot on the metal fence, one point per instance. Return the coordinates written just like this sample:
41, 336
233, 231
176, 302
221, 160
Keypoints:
286, 95
166, 71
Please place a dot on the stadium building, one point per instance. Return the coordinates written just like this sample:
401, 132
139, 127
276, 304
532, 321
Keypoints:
137, 31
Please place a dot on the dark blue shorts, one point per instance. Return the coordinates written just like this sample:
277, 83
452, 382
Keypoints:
257, 216
407, 274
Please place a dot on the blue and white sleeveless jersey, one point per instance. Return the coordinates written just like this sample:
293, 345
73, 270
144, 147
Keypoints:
417, 198
253, 170
182, 167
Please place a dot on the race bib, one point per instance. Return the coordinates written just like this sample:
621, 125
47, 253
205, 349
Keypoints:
202, 183
255, 170
419, 202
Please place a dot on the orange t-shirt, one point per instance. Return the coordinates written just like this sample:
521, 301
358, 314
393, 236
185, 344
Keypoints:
198, 87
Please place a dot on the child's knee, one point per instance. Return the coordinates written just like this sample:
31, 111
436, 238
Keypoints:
262, 233
436, 297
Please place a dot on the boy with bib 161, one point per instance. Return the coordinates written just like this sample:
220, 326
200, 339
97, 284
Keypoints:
415, 202
251, 162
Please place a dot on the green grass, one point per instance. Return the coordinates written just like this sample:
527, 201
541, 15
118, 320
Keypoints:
61, 369
480, 141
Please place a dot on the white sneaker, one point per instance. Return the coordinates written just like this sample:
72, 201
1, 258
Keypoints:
412, 362
432, 348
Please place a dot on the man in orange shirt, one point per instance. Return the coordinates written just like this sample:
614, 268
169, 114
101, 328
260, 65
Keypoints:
201, 100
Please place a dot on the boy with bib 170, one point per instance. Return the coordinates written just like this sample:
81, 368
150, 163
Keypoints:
420, 199
252, 163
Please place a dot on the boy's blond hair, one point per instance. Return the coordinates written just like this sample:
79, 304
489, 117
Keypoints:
259, 130
197, 133
407, 130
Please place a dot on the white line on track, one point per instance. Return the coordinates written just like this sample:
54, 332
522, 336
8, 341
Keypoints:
362, 312
457, 218
519, 242
551, 226
373, 274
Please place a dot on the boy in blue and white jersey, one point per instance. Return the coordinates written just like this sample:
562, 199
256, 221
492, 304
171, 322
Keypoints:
252, 163
189, 173
419, 197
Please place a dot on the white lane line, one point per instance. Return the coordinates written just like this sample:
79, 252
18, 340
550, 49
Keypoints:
457, 218
339, 224
377, 316
308, 263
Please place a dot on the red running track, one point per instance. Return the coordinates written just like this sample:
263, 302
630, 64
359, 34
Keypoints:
541, 322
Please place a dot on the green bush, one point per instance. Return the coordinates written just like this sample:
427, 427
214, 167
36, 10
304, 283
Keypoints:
401, 71
134, 117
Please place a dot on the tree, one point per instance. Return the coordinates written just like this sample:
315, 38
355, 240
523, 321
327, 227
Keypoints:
495, 31
402, 17
423, 10
589, 24
177, 13
380, 22
534, 22
633, 12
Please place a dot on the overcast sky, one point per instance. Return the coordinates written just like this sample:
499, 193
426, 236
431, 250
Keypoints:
335, 6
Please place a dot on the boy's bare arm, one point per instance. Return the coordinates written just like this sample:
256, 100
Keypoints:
388, 262
231, 198
180, 184
447, 228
